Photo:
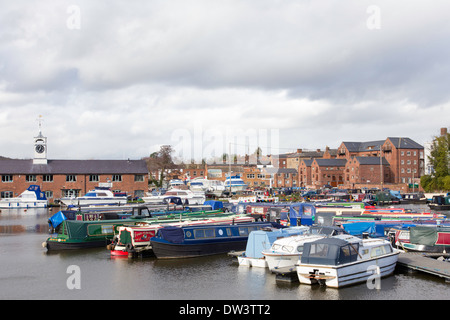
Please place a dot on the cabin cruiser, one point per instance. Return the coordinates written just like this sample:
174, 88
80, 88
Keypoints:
286, 252
210, 187
175, 183
345, 260
235, 183
30, 198
186, 195
97, 196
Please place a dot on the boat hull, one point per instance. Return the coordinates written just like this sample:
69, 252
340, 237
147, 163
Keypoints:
22, 204
278, 261
349, 274
252, 262
55, 245
93, 201
164, 250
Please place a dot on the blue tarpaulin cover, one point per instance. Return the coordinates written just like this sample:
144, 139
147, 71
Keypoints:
358, 228
215, 205
57, 219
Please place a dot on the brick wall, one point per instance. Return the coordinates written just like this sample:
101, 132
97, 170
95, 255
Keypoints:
82, 183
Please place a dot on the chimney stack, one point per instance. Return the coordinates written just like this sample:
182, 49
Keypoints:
443, 131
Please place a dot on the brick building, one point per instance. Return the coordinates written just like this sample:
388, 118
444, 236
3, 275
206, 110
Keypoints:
327, 172
284, 177
366, 170
405, 160
304, 173
60, 178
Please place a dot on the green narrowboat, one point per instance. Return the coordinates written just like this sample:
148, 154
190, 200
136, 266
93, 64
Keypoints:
75, 234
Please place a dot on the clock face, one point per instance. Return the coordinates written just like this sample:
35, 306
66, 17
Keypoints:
40, 148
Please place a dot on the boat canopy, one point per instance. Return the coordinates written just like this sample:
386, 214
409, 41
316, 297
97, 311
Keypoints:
215, 205
173, 200
296, 213
171, 234
262, 240
84, 229
430, 235
37, 190
329, 251
327, 230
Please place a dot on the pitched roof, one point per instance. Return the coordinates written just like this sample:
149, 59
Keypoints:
307, 162
19, 166
371, 160
363, 146
404, 143
280, 170
331, 162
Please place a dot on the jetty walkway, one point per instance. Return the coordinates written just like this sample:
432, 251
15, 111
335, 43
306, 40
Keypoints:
427, 263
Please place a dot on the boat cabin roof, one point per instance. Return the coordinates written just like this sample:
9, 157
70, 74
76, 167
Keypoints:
329, 251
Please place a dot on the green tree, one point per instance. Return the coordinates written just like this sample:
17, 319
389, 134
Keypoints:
440, 160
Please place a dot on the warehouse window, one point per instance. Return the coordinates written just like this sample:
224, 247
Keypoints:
71, 178
30, 178
7, 178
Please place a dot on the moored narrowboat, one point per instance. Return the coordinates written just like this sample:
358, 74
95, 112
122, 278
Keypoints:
136, 239
75, 234
195, 241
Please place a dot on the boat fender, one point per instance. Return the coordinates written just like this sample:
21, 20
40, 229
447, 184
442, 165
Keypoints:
129, 247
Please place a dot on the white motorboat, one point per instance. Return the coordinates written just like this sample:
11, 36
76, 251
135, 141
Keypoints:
30, 198
209, 187
98, 196
341, 261
260, 240
285, 252
175, 183
184, 194
235, 183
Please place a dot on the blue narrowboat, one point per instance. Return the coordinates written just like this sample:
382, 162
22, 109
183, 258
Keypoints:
203, 240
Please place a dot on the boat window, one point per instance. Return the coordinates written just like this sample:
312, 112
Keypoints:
346, 251
287, 248
107, 229
243, 231
275, 247
319, 250
204, 233
300, 249
381, 250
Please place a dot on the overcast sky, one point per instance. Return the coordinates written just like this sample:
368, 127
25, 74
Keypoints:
117, 79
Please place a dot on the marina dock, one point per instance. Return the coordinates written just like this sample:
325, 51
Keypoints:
427, 263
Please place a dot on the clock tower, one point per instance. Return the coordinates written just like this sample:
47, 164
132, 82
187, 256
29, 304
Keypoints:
40, 147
